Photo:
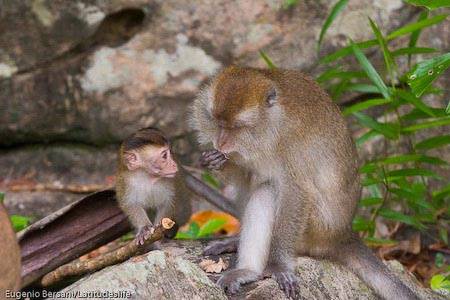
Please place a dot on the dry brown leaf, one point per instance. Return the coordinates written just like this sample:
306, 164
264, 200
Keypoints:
210, 266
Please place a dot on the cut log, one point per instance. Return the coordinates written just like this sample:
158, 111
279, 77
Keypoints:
69, 233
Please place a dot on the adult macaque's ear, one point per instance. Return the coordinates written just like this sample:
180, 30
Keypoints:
132, 160
272, 97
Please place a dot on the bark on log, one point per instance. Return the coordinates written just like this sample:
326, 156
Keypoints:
69, 233
9, 254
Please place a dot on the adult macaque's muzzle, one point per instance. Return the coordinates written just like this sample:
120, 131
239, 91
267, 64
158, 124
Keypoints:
223, 143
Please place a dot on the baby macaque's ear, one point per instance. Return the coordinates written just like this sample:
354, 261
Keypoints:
132, 160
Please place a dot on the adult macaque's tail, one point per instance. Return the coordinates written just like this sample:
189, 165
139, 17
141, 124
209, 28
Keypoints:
360, 259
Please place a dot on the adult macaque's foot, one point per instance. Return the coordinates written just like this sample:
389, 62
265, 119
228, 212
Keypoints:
213, 159
220, 247
144, 233
286, 279
232, 280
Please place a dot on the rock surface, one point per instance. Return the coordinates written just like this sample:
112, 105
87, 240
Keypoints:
174, 274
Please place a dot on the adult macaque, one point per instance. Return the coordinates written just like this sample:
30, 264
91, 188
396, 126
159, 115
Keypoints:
285, 148
148, 177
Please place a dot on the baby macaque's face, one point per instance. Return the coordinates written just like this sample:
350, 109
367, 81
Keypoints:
157, 161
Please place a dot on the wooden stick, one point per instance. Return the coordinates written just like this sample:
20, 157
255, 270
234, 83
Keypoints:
209, 194
119, 255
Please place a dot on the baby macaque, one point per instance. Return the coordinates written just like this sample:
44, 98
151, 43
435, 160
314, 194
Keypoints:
148, 178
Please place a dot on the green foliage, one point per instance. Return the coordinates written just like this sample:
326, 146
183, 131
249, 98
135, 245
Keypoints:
19, 222
2, 197
210, 180
400, 187
268, 61
337, 8
440, 282
206, 230
430, 4
425, 72
289, 3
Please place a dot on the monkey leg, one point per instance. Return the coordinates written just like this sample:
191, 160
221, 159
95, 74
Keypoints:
281, 261
254, 242
230, 245
213, 159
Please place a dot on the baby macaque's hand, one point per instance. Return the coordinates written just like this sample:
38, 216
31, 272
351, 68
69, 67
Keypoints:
213, 159
144, 233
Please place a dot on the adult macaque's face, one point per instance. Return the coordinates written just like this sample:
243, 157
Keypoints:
157, 161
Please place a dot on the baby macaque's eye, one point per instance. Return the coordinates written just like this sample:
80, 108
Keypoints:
164, 156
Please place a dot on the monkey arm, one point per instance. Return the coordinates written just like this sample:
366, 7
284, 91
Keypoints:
137, 215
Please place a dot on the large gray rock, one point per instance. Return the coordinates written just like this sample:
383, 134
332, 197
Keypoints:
174, 274
93, 71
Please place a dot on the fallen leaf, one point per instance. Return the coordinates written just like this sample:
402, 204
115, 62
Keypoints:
231, 226
210, 266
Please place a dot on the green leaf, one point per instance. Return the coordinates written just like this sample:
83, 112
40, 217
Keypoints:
364, 105
412, 172
184, 236
415, 101
337, 8
210, 227
428, 124
425, 72
336, 72
268, 61
371, 201
370, 71
388, 60
127, 237
433, 142
210, 179
430, 4
439, 282
432, 160
400, 159
19, 222
289, 3
416, 26
413, 198
415, 34
374, 191
361, 224
400, 217
388, 130
447, 110
193, 230
370, 43
413, 50
366, 137
362, 88
372, 241
346, 51
368, 168
2, 197
443, 234
442, 193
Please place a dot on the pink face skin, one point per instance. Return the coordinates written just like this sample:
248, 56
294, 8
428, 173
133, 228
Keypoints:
224, 142
157, 161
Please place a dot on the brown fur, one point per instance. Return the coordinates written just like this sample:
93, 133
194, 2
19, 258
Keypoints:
301, 147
